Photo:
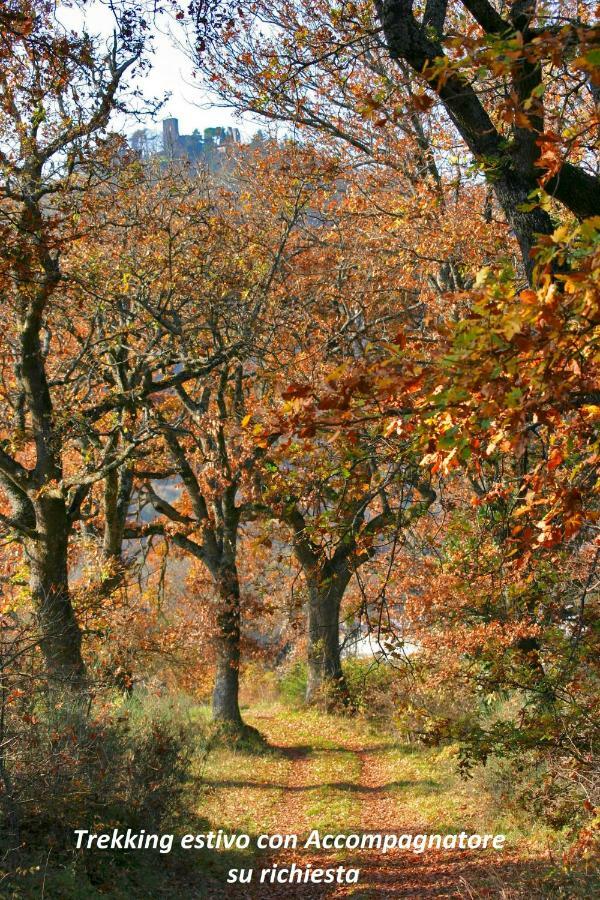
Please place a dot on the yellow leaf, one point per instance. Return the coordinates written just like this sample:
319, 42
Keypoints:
512, 325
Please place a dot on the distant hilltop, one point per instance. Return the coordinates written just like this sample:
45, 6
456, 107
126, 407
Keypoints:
198, 146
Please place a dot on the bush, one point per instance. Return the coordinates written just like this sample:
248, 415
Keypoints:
258, 685
370, 685
541, 791
292, 684
110, 763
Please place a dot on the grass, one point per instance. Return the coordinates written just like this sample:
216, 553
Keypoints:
314, 771
318, 777
332, 802
241, 791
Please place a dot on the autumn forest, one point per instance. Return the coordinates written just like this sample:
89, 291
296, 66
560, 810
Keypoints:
299, 446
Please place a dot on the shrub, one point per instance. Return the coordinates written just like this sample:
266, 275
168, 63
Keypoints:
110, 763
371, 687
292, 684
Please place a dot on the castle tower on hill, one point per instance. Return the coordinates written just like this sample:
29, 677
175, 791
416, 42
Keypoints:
197, 146
170, 136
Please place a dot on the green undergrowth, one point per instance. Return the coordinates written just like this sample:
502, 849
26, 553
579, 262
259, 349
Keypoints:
292, 770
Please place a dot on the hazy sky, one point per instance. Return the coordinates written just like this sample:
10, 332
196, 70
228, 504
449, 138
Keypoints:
171, 72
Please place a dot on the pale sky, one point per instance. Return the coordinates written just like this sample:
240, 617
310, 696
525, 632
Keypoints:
171, 72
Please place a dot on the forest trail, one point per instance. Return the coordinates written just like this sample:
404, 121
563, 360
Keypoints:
344, 776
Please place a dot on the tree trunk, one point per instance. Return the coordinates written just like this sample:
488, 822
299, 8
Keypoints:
60, 636
513, 194
325, 675
118, 487
225, 700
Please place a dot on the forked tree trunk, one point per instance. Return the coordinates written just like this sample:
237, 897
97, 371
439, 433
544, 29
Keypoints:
225, 699
60, 636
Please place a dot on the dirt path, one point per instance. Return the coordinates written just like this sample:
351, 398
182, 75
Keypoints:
339, 777
403, 873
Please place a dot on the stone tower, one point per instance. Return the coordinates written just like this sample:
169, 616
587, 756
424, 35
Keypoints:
171, 136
